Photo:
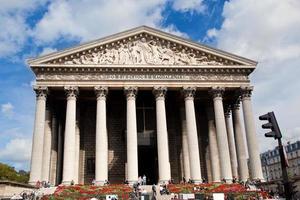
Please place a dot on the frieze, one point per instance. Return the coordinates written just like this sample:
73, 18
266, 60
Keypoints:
142, 51
142, 76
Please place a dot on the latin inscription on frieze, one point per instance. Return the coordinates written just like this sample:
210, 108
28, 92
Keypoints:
145, 77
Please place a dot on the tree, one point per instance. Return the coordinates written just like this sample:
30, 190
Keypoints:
9, 173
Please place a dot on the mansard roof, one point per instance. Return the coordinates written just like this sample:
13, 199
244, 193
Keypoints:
142, 46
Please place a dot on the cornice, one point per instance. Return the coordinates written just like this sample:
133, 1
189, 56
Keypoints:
136, 32
51, 68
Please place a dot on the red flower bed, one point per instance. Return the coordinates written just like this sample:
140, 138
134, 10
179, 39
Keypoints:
209, 188
88, 191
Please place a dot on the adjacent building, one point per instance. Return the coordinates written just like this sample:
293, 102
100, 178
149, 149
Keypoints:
143, 102
271, 165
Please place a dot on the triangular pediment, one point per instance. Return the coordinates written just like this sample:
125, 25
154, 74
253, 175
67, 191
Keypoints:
141, 46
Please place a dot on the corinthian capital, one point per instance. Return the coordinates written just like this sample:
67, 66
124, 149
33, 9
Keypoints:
130, 92
101, 92
159, 92
71, 91
246, 92
217, 92
40, 92
189, 92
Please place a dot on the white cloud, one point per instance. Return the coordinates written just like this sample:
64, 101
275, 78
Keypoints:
17, 5
13, 36
189, 6
173, 30
85, 21
7, 109
47, 50
267, 31
14, 29
212, 33
17, 151
69, 20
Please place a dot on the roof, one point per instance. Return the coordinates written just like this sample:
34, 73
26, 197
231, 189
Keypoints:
70, 53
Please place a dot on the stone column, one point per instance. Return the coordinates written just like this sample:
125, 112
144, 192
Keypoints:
231, 143
185, 147
101, 137
77, 146
54, 143
192, 136
223, 148
60, 139
47, 146
132, 145
253, 148
38, 135
213, 146
162, 135
240, 143
70, 135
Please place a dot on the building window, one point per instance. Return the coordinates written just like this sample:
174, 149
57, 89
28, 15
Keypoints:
90, 166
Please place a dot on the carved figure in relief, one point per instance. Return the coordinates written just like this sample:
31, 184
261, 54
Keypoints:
156, 58
182, 58
144, 52
148, 53
86, 59
194, 60
115, 55
124, 55
135, 52
107, 57
167, 55
96, 57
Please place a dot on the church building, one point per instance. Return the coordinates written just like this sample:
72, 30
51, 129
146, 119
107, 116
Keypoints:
143, 102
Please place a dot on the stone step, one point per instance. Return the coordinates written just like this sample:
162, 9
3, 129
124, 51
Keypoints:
46, 191
148, 189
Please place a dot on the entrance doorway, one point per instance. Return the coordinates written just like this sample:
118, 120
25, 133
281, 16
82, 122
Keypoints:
147, 148
148, 163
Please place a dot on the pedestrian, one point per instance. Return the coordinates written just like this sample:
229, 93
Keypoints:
140, 180
144, 180
154, 190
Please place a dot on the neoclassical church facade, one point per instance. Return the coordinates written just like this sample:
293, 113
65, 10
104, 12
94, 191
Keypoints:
143, 102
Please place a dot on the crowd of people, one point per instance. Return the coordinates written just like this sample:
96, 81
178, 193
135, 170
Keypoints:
42, 184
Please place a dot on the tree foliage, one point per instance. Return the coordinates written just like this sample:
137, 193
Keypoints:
9, 173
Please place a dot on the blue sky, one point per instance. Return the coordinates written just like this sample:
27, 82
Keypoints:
266, 31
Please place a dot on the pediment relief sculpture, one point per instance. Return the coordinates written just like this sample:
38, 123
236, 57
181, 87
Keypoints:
144, 51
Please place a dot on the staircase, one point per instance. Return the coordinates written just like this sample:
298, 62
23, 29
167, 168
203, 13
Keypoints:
148, 188
46, 191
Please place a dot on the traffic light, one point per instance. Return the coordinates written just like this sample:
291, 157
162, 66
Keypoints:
272, 124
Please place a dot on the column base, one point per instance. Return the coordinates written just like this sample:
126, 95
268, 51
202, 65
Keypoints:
100, 183
131, 182
163, 182
197, 181
66, 183
258, 179
228, 180
243, 179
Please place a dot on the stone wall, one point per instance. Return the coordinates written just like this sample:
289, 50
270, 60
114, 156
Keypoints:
9, 188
